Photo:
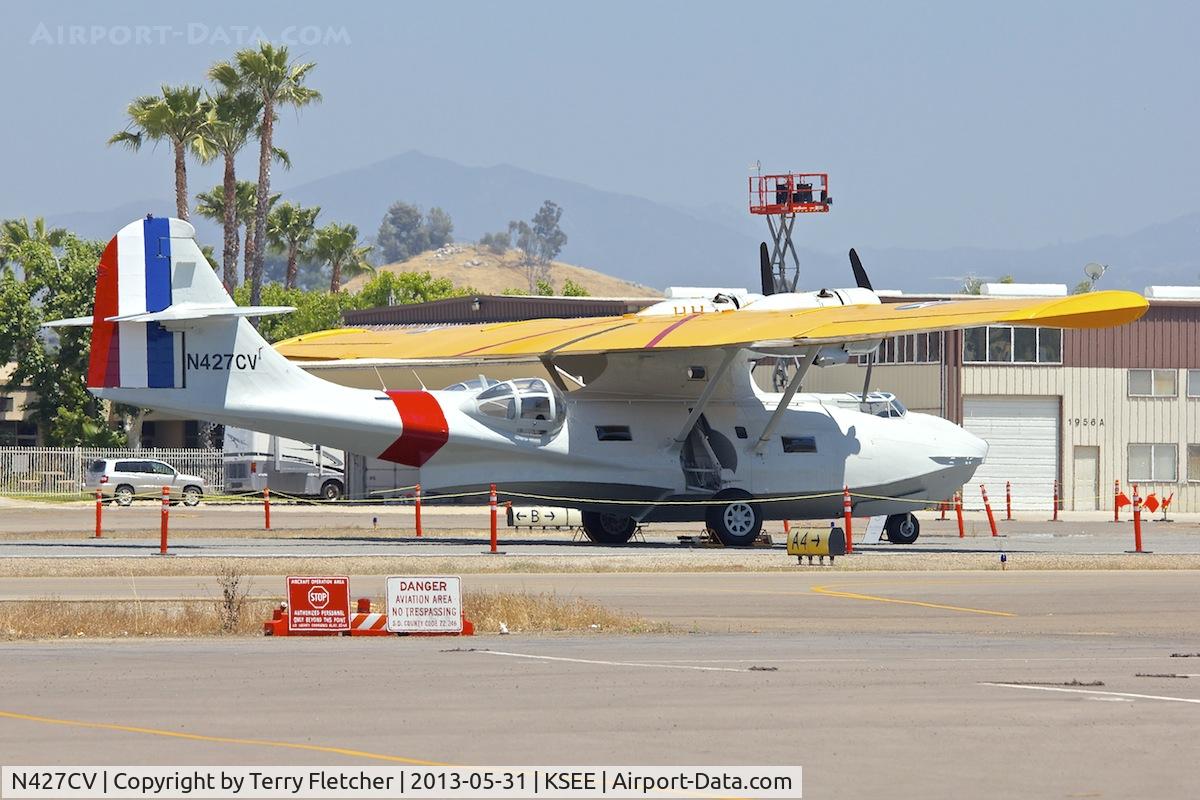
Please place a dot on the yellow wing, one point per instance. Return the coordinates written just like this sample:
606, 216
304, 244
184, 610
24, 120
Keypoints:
744, 328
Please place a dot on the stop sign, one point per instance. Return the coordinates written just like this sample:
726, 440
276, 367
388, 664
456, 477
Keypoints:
318, 604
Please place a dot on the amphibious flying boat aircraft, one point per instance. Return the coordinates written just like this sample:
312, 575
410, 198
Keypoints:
632, 418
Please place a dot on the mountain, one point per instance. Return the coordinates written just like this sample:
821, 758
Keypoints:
650, 243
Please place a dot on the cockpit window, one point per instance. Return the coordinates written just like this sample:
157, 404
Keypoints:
883, 404
529, 405
472, 385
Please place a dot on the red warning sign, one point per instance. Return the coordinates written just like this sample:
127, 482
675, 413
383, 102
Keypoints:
318, 604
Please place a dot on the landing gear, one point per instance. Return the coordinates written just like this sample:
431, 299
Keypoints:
902, 528
737, 522
608, 528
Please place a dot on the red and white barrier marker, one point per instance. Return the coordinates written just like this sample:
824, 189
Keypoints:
492, 505
958, 513
1137, 521
1054, 515
847, 519
1117, 500
417, 508
987, 506
166, 507
1008, 500
266, 508
99, 511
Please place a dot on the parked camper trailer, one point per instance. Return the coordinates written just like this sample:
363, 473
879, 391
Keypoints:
255, 461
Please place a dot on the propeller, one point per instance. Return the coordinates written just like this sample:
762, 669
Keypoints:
860, 274
764, 266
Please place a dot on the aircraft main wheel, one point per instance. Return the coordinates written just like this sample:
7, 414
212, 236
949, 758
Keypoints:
604, 528
902, 528
736, 523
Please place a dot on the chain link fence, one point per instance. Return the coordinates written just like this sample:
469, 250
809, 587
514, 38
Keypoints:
60, 471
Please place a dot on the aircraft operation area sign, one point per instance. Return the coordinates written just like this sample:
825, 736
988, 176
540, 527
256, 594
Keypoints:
318, 604
424, 604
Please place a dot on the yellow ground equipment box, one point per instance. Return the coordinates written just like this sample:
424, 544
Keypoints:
816, 542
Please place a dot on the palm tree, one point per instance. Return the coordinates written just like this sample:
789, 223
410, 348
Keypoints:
289, 229
267, 73
211, 205
177, 116
16, 232
337, 246
231, 119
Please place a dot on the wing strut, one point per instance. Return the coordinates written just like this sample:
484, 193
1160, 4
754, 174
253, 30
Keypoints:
788, 393
706, 395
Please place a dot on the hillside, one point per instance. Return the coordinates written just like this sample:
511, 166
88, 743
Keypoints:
488, 273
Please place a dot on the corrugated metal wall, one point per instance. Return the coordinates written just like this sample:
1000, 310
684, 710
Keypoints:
1165, 337
1098, 412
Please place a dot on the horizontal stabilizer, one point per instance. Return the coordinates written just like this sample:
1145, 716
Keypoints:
178, 313
73, 322
186, 311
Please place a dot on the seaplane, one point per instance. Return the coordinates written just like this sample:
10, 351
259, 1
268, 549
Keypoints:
631, 419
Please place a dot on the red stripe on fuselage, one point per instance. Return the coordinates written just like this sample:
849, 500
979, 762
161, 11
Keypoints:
424, 430
104, 362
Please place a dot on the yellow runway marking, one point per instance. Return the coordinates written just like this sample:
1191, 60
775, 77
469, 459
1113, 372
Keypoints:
828, 592
105, 726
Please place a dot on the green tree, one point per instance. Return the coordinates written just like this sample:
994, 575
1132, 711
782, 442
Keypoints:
316, 310
539, 242
16, 232
54, 364
401, 288
231, 118
178, 116
406, 232
572, 289
972, 284
266, 72
290, 228
337, 246
498, 242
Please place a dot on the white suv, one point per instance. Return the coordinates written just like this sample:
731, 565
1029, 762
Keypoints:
125, 478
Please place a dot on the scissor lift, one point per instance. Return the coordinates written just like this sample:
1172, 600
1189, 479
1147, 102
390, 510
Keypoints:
780, 198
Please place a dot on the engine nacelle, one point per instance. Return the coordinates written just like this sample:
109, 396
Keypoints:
820, 299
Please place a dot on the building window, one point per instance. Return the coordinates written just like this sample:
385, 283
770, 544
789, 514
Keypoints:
1193, 464
1004, 344
916, 348
1152, 383
1153, 462
18, 434
1193, 384
6, 404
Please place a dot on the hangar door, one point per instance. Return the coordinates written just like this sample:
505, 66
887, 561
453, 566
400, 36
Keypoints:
1022, 437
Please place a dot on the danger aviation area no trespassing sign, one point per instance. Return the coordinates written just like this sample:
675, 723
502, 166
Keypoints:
424, 604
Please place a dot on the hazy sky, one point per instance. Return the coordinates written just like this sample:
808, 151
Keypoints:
993, 124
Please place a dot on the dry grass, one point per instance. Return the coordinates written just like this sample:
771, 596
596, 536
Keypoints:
485, 271
521, 612
120, 619
526, 612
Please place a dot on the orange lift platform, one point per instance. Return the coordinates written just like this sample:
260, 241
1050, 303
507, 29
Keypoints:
781, 198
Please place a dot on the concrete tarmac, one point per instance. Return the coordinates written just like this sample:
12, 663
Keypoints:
897, 685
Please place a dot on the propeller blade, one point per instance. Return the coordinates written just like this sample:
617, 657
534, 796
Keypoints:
860, 274
764, 266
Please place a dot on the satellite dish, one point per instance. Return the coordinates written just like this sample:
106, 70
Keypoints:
1094, 270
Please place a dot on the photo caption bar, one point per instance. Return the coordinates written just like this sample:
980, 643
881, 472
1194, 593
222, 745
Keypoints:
490, 783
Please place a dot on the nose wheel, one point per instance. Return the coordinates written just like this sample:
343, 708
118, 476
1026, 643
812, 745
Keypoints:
737, 522
608, 528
